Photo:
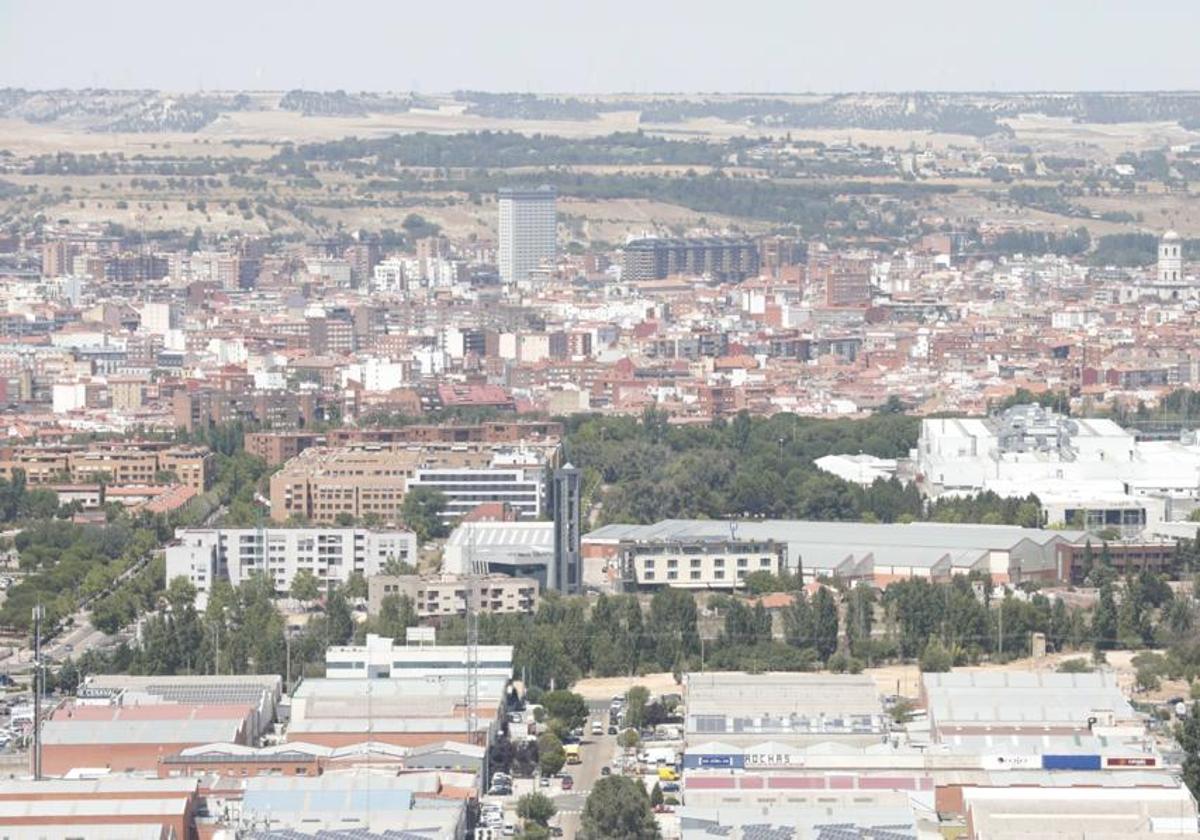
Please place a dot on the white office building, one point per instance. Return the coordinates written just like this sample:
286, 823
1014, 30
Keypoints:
207, 555
528, 231
441, 665
516, 475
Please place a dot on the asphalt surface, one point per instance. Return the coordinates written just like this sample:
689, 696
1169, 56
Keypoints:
596, 751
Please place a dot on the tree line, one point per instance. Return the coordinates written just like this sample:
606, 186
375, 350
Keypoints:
645, 469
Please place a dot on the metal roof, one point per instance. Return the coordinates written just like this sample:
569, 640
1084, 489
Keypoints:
976, 697
912, 534
58, 732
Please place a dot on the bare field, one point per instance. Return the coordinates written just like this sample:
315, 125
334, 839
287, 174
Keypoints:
611, 220
1062, 135
175, 216
25, 138
904, 680
288, 126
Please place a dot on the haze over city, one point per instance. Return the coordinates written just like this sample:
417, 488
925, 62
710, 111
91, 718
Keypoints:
621, 46
663, 421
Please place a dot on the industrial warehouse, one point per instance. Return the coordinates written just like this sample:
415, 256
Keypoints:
707, 554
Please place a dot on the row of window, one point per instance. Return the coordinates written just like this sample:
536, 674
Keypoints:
719, 574
718, 563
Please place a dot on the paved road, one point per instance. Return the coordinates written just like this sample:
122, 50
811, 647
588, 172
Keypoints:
597, 751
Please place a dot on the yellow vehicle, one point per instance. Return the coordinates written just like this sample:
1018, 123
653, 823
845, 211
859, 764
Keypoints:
668, 774
572, 751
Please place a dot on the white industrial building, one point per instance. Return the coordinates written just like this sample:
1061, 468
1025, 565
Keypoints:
853, 551
207, 555
861, 469
516, 549
444, 665
1086, 472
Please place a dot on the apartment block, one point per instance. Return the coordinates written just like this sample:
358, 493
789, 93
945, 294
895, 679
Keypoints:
371, 479
120, 464
433, 597
205, 407
332, 555
277, 447
702, 564
720, 258
528, 227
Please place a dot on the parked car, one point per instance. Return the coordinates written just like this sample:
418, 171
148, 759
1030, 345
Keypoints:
567, 783
605, 770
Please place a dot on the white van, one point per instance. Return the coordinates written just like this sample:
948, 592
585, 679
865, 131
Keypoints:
597, 727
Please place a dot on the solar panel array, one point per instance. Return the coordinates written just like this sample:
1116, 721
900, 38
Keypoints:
853, 724
850, 831
768, 832
217, 693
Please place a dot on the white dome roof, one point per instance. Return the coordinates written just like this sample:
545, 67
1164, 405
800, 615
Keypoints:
1170, 236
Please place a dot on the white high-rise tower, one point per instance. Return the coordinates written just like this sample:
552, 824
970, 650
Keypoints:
528, 231
1170, 258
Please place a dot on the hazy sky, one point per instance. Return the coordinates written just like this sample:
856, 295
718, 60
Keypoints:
602, 45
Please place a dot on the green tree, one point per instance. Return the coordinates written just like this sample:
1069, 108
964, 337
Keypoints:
305, 586
180, 594
936, 658
551, 755
68, 677
618, 808
673, 617
567, 707
422, 512
1187, 734
1078, 665
629, 739
860, 615
339, 618
1104, 619
825, 623
798, 622
536, 807
355, 587
396, 614
636, 700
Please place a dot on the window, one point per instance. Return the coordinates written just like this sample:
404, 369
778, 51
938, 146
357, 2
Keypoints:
695, 574
672, 563
672, 575
696, 563
765, 562
743, 562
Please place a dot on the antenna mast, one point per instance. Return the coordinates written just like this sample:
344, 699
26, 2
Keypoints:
472, 594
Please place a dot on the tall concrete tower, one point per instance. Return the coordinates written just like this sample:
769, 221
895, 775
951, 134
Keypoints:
566, 572
1170, 258
528, 231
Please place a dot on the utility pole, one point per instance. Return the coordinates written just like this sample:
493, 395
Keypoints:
39, 680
